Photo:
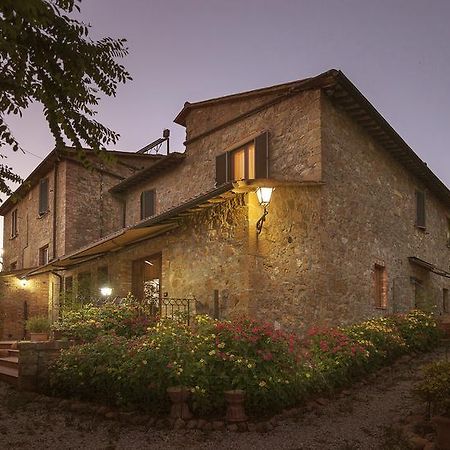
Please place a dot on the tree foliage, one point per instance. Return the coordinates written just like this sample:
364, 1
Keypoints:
46, 56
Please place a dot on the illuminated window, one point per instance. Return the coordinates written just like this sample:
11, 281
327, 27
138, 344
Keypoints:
243, 163
247, 162
380, 278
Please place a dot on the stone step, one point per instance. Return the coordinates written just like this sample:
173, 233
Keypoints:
10, 361
9, 375
13, 353
7, 344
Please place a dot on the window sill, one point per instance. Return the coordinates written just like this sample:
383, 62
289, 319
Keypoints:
41, 216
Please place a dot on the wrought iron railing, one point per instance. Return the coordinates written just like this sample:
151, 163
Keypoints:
176, 308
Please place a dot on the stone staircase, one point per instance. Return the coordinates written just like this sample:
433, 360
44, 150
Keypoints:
9, 362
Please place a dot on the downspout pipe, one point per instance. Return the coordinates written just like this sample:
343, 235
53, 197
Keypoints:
55, 195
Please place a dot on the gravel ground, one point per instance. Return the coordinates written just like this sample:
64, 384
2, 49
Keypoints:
359, 418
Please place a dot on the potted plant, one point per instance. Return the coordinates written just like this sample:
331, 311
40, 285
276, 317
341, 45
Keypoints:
235, 398
38, 327
435, 390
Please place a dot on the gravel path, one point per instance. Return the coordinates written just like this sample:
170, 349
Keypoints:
359, 418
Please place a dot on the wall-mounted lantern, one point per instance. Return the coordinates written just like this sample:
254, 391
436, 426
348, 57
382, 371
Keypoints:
106, 291
264, 195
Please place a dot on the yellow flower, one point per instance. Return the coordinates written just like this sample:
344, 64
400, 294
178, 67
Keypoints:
262, 383
249, 366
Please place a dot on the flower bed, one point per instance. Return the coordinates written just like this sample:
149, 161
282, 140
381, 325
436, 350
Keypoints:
276, 369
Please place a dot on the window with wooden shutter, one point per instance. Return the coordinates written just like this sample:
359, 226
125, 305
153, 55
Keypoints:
380, 281
43, 196
147, 204
221, 169
43, 255
420, 209
246, 162
14, 223
262, 156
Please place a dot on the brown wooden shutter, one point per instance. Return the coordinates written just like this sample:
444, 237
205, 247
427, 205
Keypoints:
420, 209
262, 156
222, 169
147, 204
43, 196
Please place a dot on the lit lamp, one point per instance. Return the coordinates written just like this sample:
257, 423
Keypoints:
106, 291
264, 195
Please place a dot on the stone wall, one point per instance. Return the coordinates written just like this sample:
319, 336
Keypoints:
294, 149
369, 217
33, 231
13, 297
207, 252
35, 359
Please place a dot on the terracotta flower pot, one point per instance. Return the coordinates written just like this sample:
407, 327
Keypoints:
179, 395
235, 406
38, 337
442, 425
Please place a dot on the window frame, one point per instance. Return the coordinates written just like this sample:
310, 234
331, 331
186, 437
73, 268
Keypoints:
380, 286
44, 251
224, 161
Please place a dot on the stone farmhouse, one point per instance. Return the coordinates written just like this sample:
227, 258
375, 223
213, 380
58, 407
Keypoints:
357, 224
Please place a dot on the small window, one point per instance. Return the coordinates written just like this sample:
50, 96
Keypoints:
43, 255
43, 196
84, 286
147, 204
445, 305
248, 162
13, 266
102, 276
68, 285
380, 286
14, 223
448, 231
420, 210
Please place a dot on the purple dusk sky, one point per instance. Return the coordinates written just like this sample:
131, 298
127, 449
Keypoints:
395, 51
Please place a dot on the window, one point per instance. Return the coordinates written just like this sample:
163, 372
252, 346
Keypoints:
420, 210
84, 285
147, 204
380, 286
14, 223
13, 266
445, 305
247, 162
68, 285
43, 196
43, 255
448, 231
102, 276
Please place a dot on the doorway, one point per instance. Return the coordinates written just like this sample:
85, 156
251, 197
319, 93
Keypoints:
146, 280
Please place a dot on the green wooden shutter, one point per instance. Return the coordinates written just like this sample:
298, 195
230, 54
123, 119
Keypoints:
43, 196
147, 204
222, 172
420, 209
262, 156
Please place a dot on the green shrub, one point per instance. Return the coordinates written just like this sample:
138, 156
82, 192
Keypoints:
435, 387
38, 324
127, 318
126, 365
